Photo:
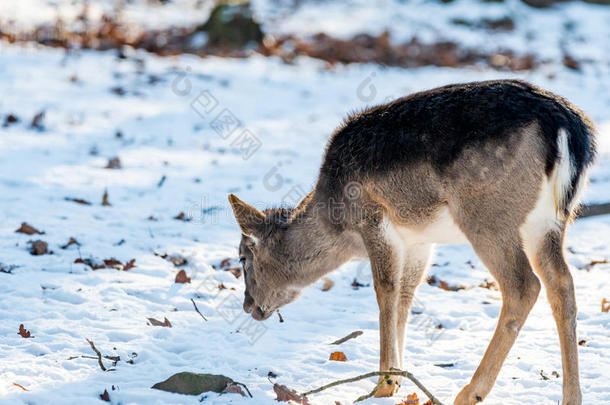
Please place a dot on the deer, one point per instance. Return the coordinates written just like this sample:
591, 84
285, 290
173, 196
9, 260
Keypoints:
497, 164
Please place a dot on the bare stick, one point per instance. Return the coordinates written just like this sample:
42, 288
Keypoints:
99, 355
197, 309
590, 210
378, 373
348, 337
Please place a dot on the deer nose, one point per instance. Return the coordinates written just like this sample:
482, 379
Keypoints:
259, 314
248, 304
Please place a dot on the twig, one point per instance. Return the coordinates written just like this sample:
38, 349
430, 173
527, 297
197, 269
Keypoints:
378, 373
197, 309
348, 337
590, 210
99, 355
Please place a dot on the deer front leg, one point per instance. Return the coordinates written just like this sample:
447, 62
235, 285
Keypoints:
386, 265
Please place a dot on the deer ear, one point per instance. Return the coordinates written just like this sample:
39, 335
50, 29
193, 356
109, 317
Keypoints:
250, 219
306, 200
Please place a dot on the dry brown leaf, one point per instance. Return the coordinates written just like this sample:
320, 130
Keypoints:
165, 323
338, 356
233, 389
130, 265
90, 263
285, 394
412, 399
37, 121
328, 284
105, 396
105, 201
71, 242
490, 285
114, 163
605, 305
182, 278
182, 217
38, 247
226, 262
23, 332
28, 229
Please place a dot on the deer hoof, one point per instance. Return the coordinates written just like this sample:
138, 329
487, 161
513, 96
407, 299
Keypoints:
467, 397
387, 388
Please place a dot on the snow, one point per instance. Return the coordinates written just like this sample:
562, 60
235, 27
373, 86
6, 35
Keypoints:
291, 110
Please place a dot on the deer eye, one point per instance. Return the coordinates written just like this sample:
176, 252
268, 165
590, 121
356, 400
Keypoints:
242, 260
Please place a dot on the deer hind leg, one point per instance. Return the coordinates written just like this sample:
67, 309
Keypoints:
545, 250
502, 254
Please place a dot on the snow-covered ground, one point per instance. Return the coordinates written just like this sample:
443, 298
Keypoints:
165, 111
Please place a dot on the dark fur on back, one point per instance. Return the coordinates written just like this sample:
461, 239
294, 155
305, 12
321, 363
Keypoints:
437, 125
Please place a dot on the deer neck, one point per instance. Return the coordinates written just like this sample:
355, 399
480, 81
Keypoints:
317, 246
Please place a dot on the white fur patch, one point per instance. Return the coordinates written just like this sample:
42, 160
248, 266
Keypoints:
441, 230
542, 219
563, 172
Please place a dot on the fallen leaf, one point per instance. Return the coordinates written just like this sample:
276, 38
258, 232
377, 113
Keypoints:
182, 278
105, 396
177, 260
592, 263
356, 284
23, 332
428, 402
328, 284
37, 121
130, 265
236, 271
411, 400
443, 285
28, 229
605, 305
233, 388
90, 263
113, 264
10, 119
195, 384
352, 335
490, 285
105, 201
285, 394
114, 163
20, 386
182, 217
582, 342
155, 322
38, 247
226, 262
338, 356
71, 242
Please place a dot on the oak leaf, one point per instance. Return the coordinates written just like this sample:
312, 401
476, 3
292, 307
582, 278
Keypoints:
605, 305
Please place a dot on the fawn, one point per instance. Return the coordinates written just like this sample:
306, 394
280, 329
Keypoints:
498, 164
